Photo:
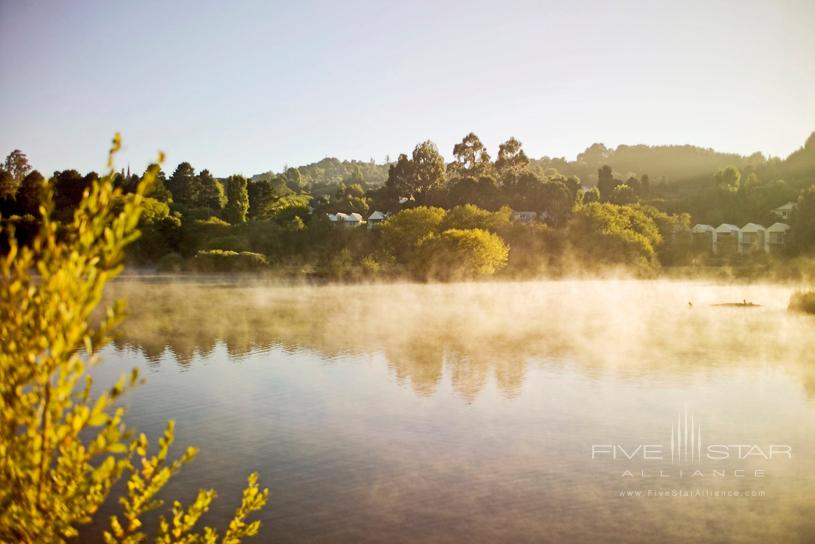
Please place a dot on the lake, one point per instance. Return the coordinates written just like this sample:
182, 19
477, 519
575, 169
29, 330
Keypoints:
566, 411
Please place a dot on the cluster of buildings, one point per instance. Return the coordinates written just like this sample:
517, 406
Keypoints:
356, 220
725, 237
750, 237
377, 217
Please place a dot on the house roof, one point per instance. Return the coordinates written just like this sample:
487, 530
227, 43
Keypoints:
377, 216
702, 228
778, 227
346, 217
727, 227
752, 227
785, 207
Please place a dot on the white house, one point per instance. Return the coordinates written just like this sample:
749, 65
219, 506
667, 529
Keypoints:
753, 236
703, 235
375, 219
777, 235
726, 235
785, 211
353, 220
345, 219
524, 217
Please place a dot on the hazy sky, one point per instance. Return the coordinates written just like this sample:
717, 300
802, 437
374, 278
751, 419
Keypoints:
245, 87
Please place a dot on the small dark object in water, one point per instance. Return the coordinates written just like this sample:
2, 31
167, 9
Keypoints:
743, 304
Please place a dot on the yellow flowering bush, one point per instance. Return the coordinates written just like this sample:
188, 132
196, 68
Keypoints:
61, 451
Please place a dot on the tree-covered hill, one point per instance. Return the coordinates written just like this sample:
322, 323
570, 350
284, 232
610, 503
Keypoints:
331, 171
666, 164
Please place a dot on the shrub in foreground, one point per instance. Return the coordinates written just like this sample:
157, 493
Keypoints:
60, 451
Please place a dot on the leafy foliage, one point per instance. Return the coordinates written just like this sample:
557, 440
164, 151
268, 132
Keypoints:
237, 195
463, 254
414, 178
404, 232
471, 158
61, 451
473, 217
16, 164
803, 221
286, 217
608, 234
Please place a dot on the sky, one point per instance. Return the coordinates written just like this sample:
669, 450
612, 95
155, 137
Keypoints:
251, 86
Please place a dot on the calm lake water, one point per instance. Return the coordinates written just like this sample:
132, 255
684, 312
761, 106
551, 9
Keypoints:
470, 413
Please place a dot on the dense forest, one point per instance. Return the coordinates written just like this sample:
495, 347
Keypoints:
629, 207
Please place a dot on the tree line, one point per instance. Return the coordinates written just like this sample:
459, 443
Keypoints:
193, 220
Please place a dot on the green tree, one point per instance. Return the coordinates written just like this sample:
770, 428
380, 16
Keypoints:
572, 184
464, 190
183, 185
31, 194
159, 232
261, 197
294, 180
403, 232
802, 222
211, 192
17, 165
159, 189
470, 216
623, 194
8, 186
555, 200
603, 234
69, 185
62, 449
383, 199
462, 254
606, 182
591, 195
400, 177
470, 158
595, 154
351, 199
418, 176
237, 200
428, 169
728, 179
511, 160
356, 177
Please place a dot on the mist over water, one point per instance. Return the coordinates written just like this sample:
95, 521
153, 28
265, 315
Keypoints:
467, 412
